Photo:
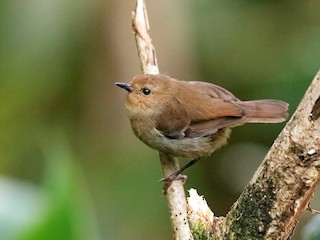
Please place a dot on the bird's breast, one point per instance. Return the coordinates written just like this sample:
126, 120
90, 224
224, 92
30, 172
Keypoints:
188, 148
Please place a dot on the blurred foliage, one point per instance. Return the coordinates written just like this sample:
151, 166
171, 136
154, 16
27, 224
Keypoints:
59, 208
311, 231
70, 165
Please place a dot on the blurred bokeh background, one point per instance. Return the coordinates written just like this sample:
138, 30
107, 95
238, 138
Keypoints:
70, 165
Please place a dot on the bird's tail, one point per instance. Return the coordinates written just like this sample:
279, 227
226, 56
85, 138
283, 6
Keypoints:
265, 111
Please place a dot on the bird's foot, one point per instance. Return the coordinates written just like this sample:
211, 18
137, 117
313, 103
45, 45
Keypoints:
172, 177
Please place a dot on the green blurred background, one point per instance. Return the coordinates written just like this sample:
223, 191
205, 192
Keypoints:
70, 165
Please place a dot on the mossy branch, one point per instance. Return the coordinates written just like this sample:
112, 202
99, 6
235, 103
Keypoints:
284, 184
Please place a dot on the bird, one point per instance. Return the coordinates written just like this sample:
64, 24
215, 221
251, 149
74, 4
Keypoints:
190, 119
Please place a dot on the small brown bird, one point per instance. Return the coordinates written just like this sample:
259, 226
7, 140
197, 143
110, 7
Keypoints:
190, 119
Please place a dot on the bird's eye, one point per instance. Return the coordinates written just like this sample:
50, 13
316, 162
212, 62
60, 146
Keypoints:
146, 91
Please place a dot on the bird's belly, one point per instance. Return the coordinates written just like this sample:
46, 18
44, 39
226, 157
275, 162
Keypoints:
188, 148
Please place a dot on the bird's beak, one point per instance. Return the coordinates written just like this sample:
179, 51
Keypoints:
126, 86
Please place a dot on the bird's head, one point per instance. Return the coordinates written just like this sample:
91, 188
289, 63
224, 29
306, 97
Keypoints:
148, 94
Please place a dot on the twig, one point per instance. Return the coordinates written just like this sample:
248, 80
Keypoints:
313, 211
141, 31
175, 192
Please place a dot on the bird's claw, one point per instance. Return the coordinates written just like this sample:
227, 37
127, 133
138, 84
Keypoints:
173, 177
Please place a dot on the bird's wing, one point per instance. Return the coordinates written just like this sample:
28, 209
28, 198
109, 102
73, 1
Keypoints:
202, 112
210, 127
173, 121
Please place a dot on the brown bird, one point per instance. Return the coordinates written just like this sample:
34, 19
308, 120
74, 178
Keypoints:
190, 119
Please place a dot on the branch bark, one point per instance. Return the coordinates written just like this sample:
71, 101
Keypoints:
282, 187
175, 192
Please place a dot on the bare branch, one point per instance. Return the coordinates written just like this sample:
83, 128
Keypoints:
141, 31
175, 192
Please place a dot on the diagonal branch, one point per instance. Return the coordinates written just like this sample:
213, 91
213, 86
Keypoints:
282, 187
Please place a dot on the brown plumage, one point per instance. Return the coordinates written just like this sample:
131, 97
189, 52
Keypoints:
191, 119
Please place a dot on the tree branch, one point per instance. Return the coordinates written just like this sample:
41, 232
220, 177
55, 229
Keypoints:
175, 192
282, 187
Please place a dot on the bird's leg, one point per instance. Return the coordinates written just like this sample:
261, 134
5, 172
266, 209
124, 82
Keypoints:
175, 175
